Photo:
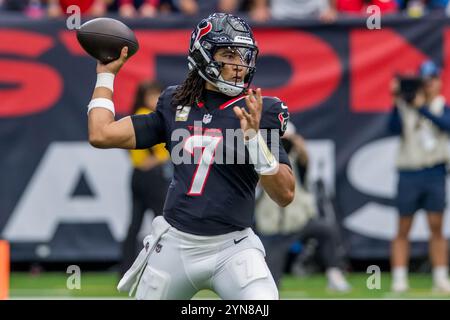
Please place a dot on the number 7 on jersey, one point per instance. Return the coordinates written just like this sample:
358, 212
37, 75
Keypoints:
208, 144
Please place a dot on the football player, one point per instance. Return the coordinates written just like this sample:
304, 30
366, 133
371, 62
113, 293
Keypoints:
204, 239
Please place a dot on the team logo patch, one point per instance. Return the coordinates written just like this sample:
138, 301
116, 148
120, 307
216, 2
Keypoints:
182, 113
283, 117
207, 118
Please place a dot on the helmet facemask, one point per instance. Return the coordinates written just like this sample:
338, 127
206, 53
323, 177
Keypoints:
238, 73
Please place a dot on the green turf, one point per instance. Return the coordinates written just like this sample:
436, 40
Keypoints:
103, 285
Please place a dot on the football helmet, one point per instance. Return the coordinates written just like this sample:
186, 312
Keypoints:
222, 30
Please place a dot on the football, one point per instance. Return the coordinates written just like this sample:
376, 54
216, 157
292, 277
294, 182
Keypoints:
104, 38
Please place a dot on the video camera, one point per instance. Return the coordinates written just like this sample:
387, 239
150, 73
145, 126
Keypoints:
409, 86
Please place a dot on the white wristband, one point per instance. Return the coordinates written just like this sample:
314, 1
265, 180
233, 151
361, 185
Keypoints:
101, 103
264, 161
105, 80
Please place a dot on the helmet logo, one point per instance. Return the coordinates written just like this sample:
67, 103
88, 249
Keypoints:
203, 31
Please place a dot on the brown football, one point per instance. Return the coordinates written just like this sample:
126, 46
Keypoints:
104, 38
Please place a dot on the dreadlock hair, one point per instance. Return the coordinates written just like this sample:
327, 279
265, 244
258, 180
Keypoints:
190, 91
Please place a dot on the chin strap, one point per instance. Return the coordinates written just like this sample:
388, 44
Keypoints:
229, 89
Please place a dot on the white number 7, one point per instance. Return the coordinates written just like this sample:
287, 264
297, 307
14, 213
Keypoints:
208, 144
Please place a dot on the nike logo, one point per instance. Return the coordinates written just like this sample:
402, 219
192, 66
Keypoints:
237, 241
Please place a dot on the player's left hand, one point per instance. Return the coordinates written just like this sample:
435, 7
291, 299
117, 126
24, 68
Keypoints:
250, 120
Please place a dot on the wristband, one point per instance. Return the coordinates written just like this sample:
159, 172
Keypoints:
105, 80
260, 155
101, 103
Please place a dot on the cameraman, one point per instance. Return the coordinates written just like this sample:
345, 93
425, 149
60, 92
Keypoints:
423, 120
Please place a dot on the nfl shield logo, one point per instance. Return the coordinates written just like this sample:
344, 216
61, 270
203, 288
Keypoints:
207, 118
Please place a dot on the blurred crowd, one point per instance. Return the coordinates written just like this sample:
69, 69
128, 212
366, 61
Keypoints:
258, 10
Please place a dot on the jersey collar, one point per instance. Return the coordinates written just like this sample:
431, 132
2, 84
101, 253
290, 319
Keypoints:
226, 104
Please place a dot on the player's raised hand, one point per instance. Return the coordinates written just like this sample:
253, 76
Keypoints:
114, 66
250, 120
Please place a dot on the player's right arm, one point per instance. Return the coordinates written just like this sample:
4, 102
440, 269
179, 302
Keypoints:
135, 132
104, 131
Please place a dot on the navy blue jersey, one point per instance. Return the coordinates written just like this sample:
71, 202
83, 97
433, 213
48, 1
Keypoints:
209, 195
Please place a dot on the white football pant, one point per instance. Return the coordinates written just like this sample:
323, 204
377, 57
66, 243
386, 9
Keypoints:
232, 265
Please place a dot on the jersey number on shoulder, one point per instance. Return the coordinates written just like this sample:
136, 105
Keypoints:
208, 145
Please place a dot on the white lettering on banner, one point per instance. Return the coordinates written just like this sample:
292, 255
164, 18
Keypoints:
372, 171
47, 200
380, 222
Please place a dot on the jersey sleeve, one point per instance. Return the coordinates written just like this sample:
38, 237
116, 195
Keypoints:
149, 128
273, 124
442, 121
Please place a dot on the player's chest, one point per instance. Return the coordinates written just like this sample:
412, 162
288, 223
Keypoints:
201, 120
218, 131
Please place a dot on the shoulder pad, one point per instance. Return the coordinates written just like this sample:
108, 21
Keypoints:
275, 114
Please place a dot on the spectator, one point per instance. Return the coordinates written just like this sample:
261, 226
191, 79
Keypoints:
230, 6
15, 5
360, 6
280, 227
437, 4
150, 178
147, 8
427, 4
202, 7
96, 8
31, 8
166, 7
293, 9
417, 8
34, 9
422, 119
